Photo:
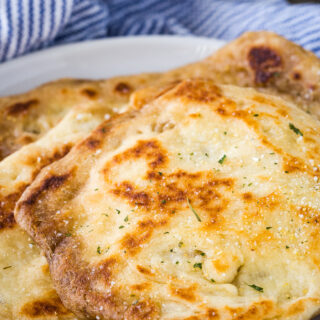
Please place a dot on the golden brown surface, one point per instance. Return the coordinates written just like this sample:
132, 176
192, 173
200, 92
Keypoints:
26, 291
202, 205
42, 108
27, 117
257, 59
268, 61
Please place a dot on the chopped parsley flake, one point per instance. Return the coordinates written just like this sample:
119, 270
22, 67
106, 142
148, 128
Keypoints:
68, 234
177, 262
295, 129
126, 219
118, 211
287, 247
268, 228
206, 154
256, 115
99, 250
221, 160
160, 173
163, 201
121, 227
198, 265
212, 280
166, 232
202, 254
96, 189
257, 288
225, 133
194, 211
180, 244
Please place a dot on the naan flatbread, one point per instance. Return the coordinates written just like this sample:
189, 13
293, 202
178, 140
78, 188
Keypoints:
203, 204
91, 101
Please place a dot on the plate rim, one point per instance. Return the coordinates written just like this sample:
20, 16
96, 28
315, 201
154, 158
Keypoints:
118, 40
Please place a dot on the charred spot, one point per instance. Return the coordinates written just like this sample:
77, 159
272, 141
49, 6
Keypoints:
297, 75
198, 90
90, 93
212, 314
44, 307
93, 143
247, 196
147, 224
7, 220
183, 293
265, 62
293, 164
150, 150
21, 107
142, 310
104, 269
52, 182
123, 88
141, 286
221, 111
6, 209
126, 190
307, 214
132, 242
144, 270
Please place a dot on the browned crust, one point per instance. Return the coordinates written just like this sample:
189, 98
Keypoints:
262, 64
72, 276
44, 307
257, 59
268, 61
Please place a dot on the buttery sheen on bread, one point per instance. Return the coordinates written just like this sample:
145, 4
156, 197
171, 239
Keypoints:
203, 204
34, 120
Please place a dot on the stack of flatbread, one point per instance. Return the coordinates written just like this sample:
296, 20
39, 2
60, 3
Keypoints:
191, 194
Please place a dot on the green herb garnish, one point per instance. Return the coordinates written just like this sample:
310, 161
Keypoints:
99, 250
268, 228
126, 219
198, 265
295, 129
118, 211
194, 211
257, 288
121, 227
222, 159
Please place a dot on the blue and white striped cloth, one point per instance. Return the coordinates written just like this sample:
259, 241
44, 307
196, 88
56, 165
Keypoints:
29, 25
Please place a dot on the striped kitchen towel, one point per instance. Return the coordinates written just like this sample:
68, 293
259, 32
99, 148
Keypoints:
29, 25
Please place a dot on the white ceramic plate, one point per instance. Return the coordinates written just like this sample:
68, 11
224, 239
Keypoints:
103, 59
